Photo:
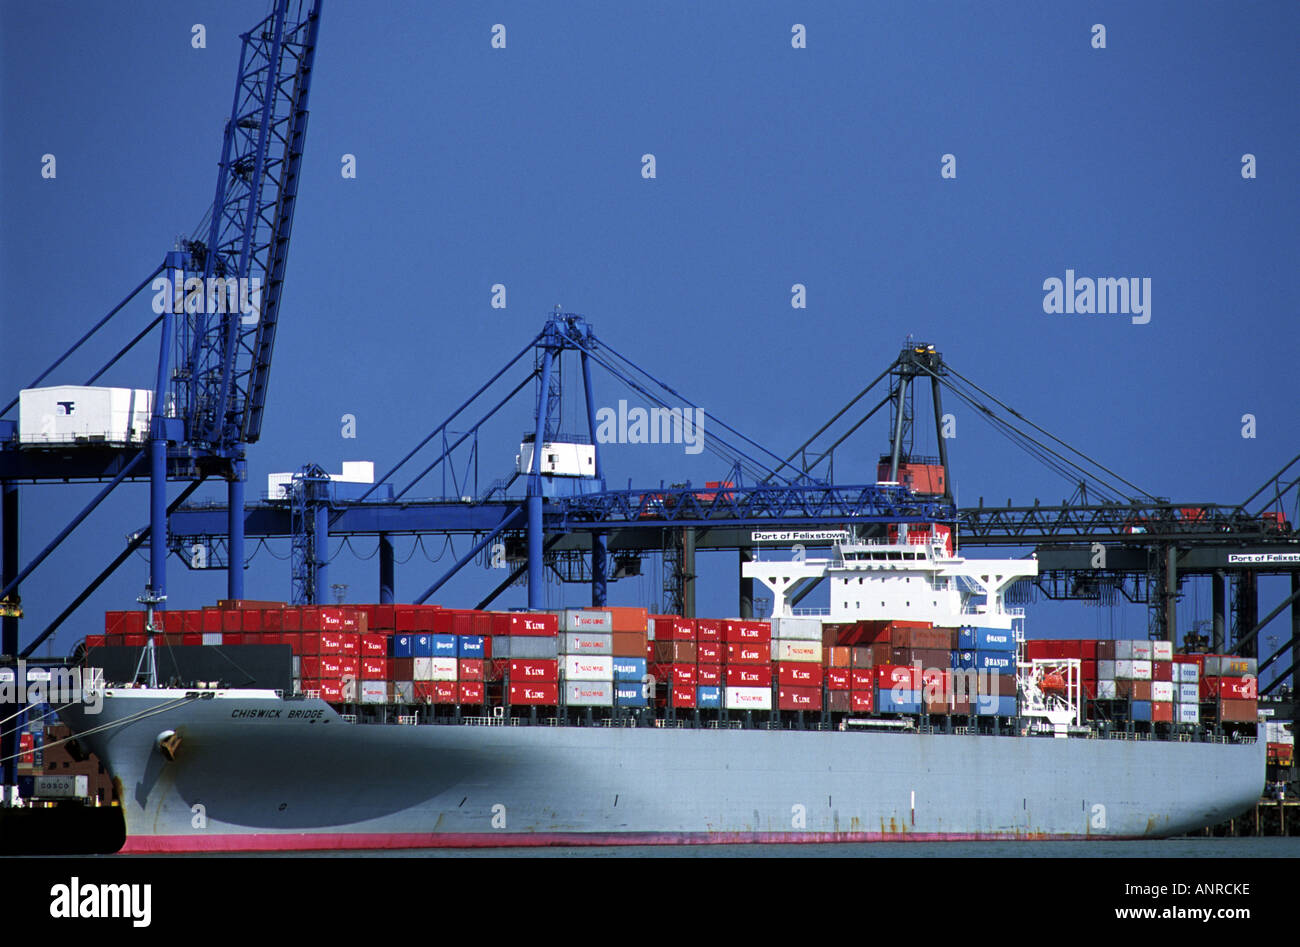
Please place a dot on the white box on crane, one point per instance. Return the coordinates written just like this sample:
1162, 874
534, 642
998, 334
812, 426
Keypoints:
559, 458
83, 415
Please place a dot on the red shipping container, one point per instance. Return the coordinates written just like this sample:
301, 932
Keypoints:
674, 629
340, 619
683, 697
404, 617
749, 653
799, 674
330, 642
230, 620
232, 637
708, 629
895, 675
95, 641
374, 669
683, 675
383, 618
192, 639
251, 619
293, 639
211, 620
470, 692
422, 691
709, 675
749, 675
350, 644
533, 671
330, 691
799, 698
331, 667
470, 669
1162, 711
1162, 670
862, 701
709, 652
114, 623
257, 637
547, 695
293, 618
349, 667
309, 667
840, 656
374, 646
445, 692
735, 631
192, 621
1088, 649
837, 679
173, 622
536, 624
273, 619
1229, 688
862, 679
1088, 670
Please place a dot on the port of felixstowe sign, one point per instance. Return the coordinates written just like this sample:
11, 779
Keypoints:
800, 536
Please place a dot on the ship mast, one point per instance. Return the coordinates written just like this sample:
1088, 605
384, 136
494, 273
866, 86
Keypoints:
147, 666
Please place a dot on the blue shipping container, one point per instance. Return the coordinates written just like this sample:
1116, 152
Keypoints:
1000, 661
892, 701
469, 646
629, 669
987, 706
986, 639
402, 646
708, 697
1140, 710
630, 695
423, 646
444, 646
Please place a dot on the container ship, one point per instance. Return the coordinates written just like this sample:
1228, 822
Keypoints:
913, 709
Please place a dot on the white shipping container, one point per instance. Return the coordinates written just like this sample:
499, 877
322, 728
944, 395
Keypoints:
586, 643
1163, 691
1187, 713
559, 458
1162, 651
525, 646
574, 619
349, 688
1142, 651
405, 691
809, 651
1186, 673
212, 637
797, 629
1189, 693
1106, 670
61, 787
749, 698
1123, 651
587, 667
73, 414
374, 692
1105, 690
589, 693
1123, 669
441, 669
1143, 670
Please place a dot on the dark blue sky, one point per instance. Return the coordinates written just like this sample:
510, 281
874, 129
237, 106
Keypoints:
775, 166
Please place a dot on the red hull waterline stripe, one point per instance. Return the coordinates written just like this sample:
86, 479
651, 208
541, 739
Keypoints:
325, 841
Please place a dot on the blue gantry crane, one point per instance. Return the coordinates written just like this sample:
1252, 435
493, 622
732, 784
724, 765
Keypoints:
217, 299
